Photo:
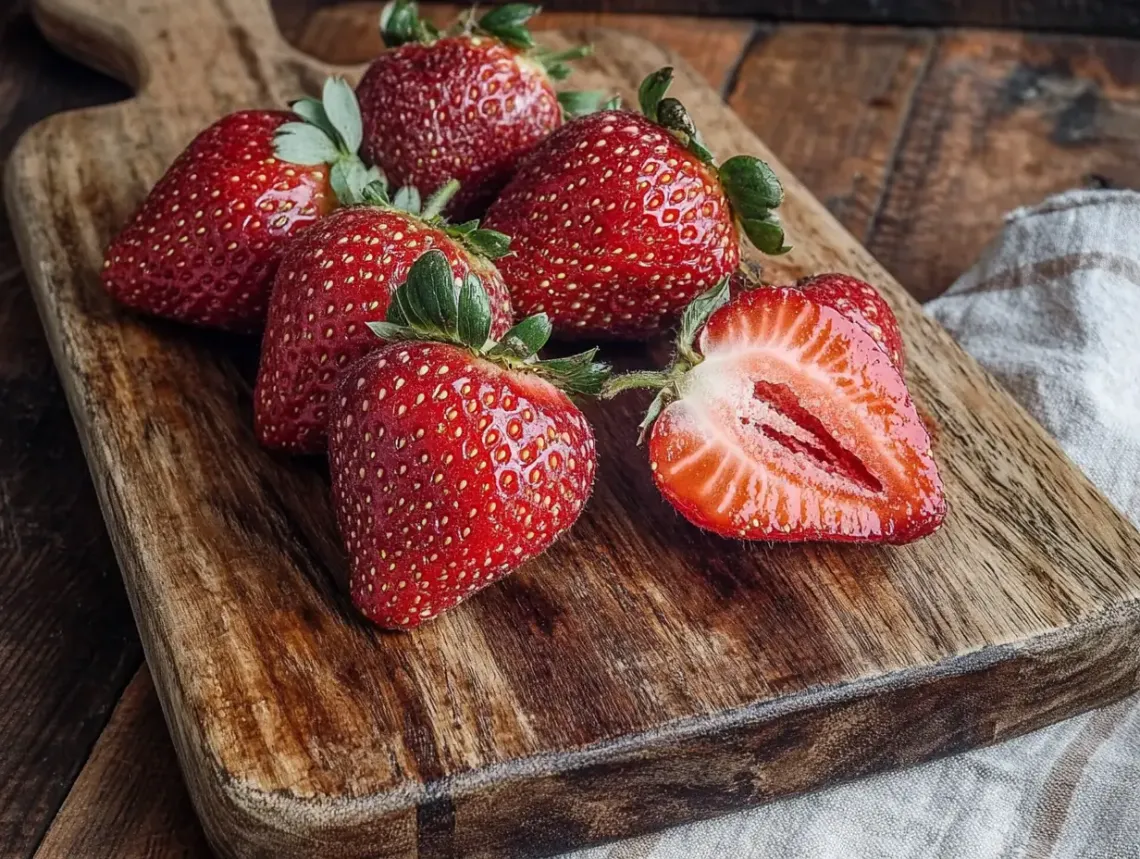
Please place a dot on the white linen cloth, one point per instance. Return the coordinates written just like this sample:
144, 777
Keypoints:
1053, 311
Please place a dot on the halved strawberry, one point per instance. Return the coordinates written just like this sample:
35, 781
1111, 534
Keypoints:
205, 243
454, 459
783, 419
468, 103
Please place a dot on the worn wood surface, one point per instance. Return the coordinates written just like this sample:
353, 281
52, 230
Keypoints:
999, 120
1110, 17
348, 33
129, 801
836, 167
67, 640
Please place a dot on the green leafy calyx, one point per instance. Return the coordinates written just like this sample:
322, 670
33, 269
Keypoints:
329, 131
575, 103
432, 305
754, 192
752, 188
667, 382
400, 23
489, 244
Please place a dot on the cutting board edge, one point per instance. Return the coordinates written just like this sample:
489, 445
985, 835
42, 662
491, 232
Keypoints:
244, 822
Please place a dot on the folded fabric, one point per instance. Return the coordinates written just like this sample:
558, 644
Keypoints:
1052, 310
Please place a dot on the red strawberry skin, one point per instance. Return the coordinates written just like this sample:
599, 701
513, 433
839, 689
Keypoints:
334, 279
466, 107
205, 243
615, 228
795, 426
861, 303
448, 472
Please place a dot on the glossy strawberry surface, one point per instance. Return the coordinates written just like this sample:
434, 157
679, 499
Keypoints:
862, 303
205, 244
333, 281
615, 228
795, 426
448, 472
465, 107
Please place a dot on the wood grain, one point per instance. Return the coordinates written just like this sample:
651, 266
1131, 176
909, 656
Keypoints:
1002, 120
67, 641
641, 673
1109, 17
836, 124
129, 801
347, 34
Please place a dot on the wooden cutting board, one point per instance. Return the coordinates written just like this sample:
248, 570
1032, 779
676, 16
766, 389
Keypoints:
640, 674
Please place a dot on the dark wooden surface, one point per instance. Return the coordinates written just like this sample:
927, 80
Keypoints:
1118, 17
879, 137
67, 642
1105, 17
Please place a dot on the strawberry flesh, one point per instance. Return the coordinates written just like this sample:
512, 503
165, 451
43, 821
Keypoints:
795, 426
448, 472
333, 281
615, 227
861, 303
466, 107
207, 240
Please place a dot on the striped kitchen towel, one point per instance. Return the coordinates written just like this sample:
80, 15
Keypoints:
1053, 311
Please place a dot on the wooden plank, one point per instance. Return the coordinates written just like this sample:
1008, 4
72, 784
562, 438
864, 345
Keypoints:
1001, 120
835, 124
1108, 17
129, 800
347, 33
639, 674
67, 641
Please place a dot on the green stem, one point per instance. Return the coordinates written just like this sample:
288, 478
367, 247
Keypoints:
437, 201
652, 379
546, 57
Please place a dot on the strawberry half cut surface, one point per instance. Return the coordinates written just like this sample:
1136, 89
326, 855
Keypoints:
783, 419
454, 458
861, 303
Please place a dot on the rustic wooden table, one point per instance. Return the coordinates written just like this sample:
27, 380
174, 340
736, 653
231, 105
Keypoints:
917, 139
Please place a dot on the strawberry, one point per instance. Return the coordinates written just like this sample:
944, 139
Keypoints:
861, 303
335, 279
454, 459
468, 104
620, 219
782, 418
205, 243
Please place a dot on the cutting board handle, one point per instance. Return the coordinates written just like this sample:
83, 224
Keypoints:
182, 53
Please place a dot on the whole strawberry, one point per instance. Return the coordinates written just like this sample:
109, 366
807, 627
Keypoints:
205, 243
336, 278
782, 418
454, 459
620, 219
466, 104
